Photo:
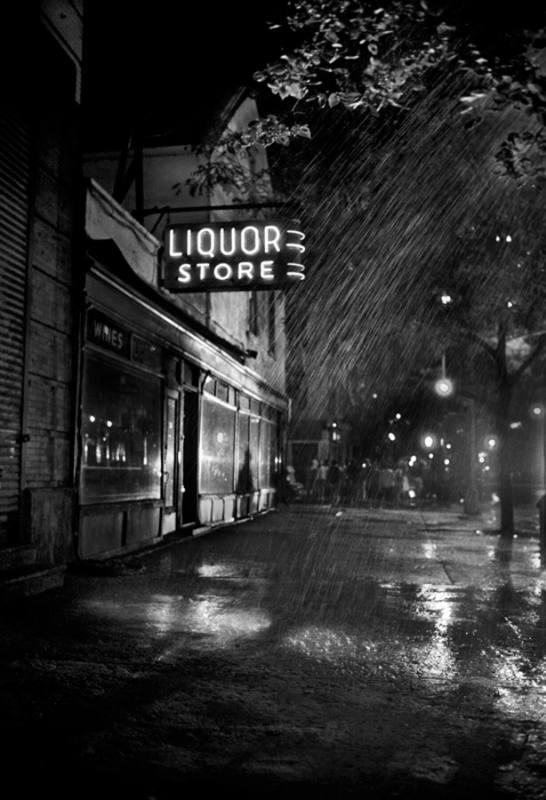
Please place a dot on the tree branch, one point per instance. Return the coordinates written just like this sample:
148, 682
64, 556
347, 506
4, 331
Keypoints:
514, 377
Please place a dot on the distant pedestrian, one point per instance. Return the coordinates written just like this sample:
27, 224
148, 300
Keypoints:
352, 482
401, 484
311, 477
320, 481
386, 484
334, 482
372, 484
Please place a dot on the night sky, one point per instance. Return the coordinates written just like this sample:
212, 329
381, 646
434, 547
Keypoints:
168, 64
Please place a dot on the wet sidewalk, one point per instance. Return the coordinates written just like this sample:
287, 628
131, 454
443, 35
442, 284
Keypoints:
344, 652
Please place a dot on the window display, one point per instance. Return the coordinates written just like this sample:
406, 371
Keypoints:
267, 454
246, 476
121, 432
217, 447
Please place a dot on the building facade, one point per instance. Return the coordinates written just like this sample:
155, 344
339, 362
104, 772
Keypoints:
177, 429
40, 171
128, 412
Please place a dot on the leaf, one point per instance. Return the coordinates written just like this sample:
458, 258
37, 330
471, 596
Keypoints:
473, 98
303, 130
333, 99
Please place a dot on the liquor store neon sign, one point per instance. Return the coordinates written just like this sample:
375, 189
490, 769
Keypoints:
232, 256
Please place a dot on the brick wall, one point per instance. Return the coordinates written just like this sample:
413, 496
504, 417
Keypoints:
51, 355
51, 365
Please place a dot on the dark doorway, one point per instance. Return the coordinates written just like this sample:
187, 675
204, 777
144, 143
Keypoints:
189, 446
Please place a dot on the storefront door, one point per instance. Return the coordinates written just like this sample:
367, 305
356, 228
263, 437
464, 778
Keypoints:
171, 460
189, 450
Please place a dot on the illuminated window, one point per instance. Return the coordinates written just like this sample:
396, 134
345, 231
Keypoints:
121, 418
217, 447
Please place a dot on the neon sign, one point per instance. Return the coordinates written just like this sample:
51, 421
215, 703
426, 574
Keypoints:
232, 256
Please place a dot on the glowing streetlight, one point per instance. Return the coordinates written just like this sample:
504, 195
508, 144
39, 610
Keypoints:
443, 387
429, 441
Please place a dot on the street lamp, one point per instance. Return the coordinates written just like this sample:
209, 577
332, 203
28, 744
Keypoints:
429, 441
443, 386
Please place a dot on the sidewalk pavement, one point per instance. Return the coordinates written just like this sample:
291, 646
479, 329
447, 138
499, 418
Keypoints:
456, 534
343, 652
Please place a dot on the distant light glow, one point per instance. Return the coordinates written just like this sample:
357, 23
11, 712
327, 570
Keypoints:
491, 442
398, 416
429, 440
92, 418
109, 423
391, 436
447, 462
537, 410
431, 455
448, 446
412, 494
443, 387
508, 238
515, 425
446, 299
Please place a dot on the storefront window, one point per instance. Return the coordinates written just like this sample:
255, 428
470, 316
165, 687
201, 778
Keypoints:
266, 464
217, 447
121, 431
170, 452
254, 448
246, 476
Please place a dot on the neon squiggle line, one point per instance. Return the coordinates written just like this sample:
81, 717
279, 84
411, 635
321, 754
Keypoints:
296, 246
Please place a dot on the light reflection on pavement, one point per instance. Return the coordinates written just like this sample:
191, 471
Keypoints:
365, 634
